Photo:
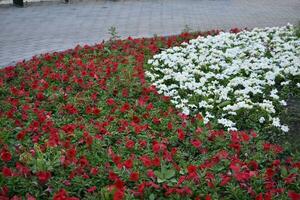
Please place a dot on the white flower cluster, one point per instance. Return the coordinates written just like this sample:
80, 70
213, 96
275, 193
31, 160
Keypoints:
230, 77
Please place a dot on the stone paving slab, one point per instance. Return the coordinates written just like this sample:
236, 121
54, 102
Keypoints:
45, 27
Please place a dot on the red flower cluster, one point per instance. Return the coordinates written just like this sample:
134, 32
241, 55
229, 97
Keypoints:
85, 123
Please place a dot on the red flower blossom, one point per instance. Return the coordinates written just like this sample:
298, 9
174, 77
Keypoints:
156, 120
290, 179
156, 162
259, 197
146, 161
22, 169
91, 189
83, 161
112, 176
15, 197
293, 195
136, 119
149, 106
119, 184
29, 197
118, 195
5, 155
225, 179
130, 144
40, 96
110, 101
245, 137
170, 126
192, 169
143, 143
150, 173
21, 135
71, 109
63, 195
71, 153
6, 171
94, 171
157, 147
181, 134
143, 100
208, 197
125, 92
128, 163
134, 176
43, 176
196, 143
125, 107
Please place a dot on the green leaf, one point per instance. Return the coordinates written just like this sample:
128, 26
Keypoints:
173, 180
160, 180
284, 172
182, 172
159, 174
225, 103
169, 173
152, 197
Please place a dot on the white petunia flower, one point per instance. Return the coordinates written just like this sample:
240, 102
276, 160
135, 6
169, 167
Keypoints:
262, 120
283, 102
285, 128
276, 122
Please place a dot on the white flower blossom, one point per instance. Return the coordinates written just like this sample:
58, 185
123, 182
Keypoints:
262, 120
285, 128
276, 122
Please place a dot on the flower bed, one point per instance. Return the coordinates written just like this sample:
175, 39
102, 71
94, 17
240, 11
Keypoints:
239, 81
85, 124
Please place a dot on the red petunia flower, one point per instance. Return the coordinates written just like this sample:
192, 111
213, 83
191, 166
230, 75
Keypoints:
136, 119
293, 195
43, 176
150, 173
130, 144
5, 155
63, 195
196, 143
125, 92
40, 96
125, 107
225, 179
181, 134
6, 172
156, 121
290, 179
118, 195
134, 176
110, 101
29, 197
156, 162
128, 163
208, 197
149, 106
170, 126
146, 161
91, 189
22, 169
259, 197
192, 169
21, 135
94, 171
157, 147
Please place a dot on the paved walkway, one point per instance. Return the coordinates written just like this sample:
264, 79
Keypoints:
45, 27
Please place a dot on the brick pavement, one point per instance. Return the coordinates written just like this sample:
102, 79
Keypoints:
45, 27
